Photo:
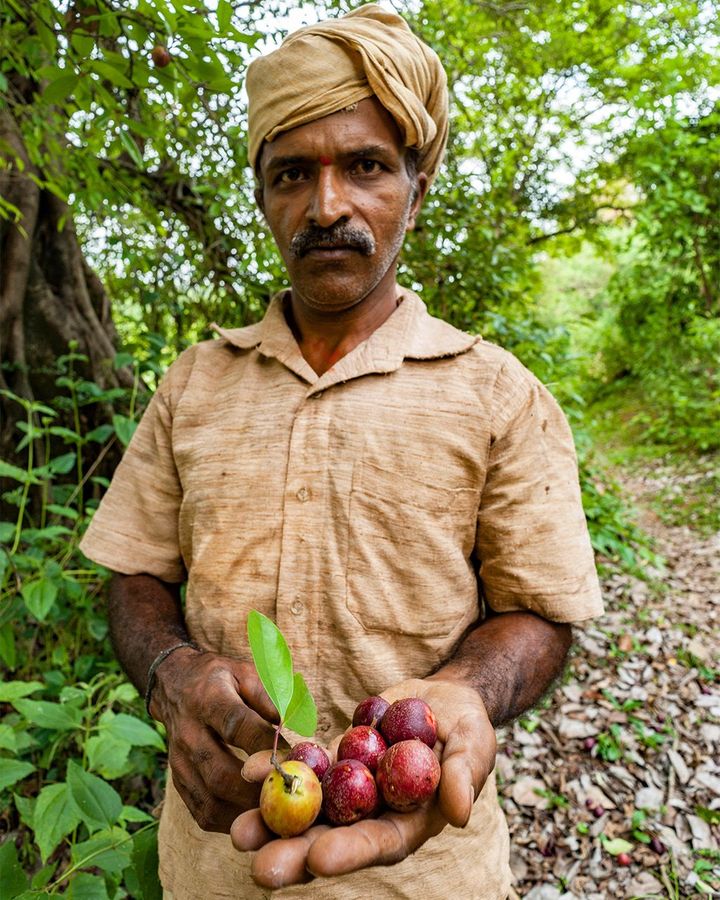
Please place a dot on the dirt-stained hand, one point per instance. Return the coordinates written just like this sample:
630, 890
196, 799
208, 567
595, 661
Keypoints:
466, 749
210, 704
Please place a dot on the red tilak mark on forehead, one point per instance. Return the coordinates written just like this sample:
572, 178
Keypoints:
325, 161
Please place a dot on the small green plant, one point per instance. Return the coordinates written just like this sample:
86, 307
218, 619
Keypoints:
609, 744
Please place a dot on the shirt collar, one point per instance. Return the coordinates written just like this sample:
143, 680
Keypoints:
409, 333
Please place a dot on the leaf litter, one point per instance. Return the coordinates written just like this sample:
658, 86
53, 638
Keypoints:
624, 764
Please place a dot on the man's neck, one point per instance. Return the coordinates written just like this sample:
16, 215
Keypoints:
324, 338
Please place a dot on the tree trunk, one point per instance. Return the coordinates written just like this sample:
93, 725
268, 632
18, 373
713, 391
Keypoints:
49, 296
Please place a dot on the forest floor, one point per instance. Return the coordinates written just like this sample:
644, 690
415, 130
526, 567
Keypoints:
625, 758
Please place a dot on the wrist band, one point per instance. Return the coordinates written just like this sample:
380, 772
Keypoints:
161, 657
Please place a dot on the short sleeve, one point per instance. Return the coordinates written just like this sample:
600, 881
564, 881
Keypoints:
533, 545
135, 529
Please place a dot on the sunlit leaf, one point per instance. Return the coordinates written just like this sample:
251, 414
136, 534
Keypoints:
272, 659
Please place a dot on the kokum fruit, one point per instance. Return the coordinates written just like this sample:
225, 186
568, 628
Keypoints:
370, 711
160, 56
289, 805
407, 719
363, 743
349, 792
312, 755
408, 775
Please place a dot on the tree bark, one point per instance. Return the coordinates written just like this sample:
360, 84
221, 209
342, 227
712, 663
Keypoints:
49, 296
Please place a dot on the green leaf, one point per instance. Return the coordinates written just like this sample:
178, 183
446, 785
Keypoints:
8, 738
145, 863
7, 645
617, 846
134, 731
61, 88
61, 465
133, 814
108, 755
224, 14
13, 880
711, 816
124, 428
108, 850
301, 715
39, 597
56, 814
9, 471
85, 886
14, 690
132, 148
12, 770
110, 73
58, 716
272, 659
99, 803
7, 532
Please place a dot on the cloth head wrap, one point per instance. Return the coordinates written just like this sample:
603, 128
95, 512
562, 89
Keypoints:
321, 69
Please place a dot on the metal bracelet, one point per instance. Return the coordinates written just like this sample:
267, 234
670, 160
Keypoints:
161, 657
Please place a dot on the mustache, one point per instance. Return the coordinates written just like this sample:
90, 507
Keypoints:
313, 237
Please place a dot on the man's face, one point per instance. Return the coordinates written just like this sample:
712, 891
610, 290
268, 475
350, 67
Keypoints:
338, 199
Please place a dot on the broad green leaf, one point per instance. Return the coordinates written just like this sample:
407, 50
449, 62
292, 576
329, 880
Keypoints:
145, 864
84, 886
26, 809
301, 715
617, 846
39, 597
14, 690
13, 880
133, 730
110, 73
43, 876
8, 738
132, 148
7, 470
108, 755
66, 511
61, 465
224, 14
58, 716
61, 88
124, 428
7, 532
56, 814
108, 850
133, 814
12, 770
99, 803
272, 659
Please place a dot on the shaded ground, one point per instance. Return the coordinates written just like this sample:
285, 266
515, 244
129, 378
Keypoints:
630, 746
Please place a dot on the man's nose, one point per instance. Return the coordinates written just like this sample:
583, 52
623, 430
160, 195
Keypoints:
330, 201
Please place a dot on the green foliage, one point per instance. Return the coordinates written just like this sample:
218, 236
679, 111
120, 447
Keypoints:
287, 689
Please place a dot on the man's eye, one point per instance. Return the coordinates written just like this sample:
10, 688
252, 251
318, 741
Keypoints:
290, 176
367, 167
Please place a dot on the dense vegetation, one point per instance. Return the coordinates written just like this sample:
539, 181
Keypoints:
575, 223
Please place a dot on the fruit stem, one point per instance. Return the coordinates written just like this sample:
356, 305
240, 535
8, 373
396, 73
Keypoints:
290, 780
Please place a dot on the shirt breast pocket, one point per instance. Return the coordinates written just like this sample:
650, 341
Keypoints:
409, 544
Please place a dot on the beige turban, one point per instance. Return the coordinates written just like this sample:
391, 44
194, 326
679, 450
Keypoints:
324, 68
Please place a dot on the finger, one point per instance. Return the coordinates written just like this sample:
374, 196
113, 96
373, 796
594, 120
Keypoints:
229, 717
249, 831
214, 774
258, 766
373, 842
250, 688
283, 861
467, 761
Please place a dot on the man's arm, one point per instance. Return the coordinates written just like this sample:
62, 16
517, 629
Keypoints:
205, 701
501, 669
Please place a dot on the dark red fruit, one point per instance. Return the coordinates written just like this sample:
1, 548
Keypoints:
349, 792
364, 744
408, 775
407, 719
589, 743
312, 755
657, 846
160, 56
624, 859
598, 812
370, 711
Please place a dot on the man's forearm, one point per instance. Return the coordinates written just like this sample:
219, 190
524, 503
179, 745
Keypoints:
511, 660
145, 618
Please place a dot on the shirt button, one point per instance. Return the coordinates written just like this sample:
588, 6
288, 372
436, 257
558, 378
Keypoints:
303, 495
317, 396
297, 607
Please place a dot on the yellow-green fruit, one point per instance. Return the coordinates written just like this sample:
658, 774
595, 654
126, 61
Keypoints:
290, 809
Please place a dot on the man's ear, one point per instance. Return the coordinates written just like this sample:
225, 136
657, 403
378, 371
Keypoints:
258, 194
420, 190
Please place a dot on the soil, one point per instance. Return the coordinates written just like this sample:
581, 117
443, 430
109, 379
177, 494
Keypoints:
628, 747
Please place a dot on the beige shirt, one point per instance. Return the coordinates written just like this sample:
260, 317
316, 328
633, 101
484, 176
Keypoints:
359, 509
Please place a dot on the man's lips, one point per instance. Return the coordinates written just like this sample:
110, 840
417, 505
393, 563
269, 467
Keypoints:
330, 250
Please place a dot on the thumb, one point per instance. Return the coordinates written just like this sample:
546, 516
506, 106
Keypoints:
467, 761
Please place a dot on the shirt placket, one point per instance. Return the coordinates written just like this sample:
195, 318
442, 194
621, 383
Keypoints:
300, 576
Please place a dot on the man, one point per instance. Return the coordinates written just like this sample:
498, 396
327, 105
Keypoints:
359, 471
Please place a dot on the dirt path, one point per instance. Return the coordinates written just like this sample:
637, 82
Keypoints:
630, 747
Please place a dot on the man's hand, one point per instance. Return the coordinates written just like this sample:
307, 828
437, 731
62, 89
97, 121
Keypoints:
206, 703
466, 749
